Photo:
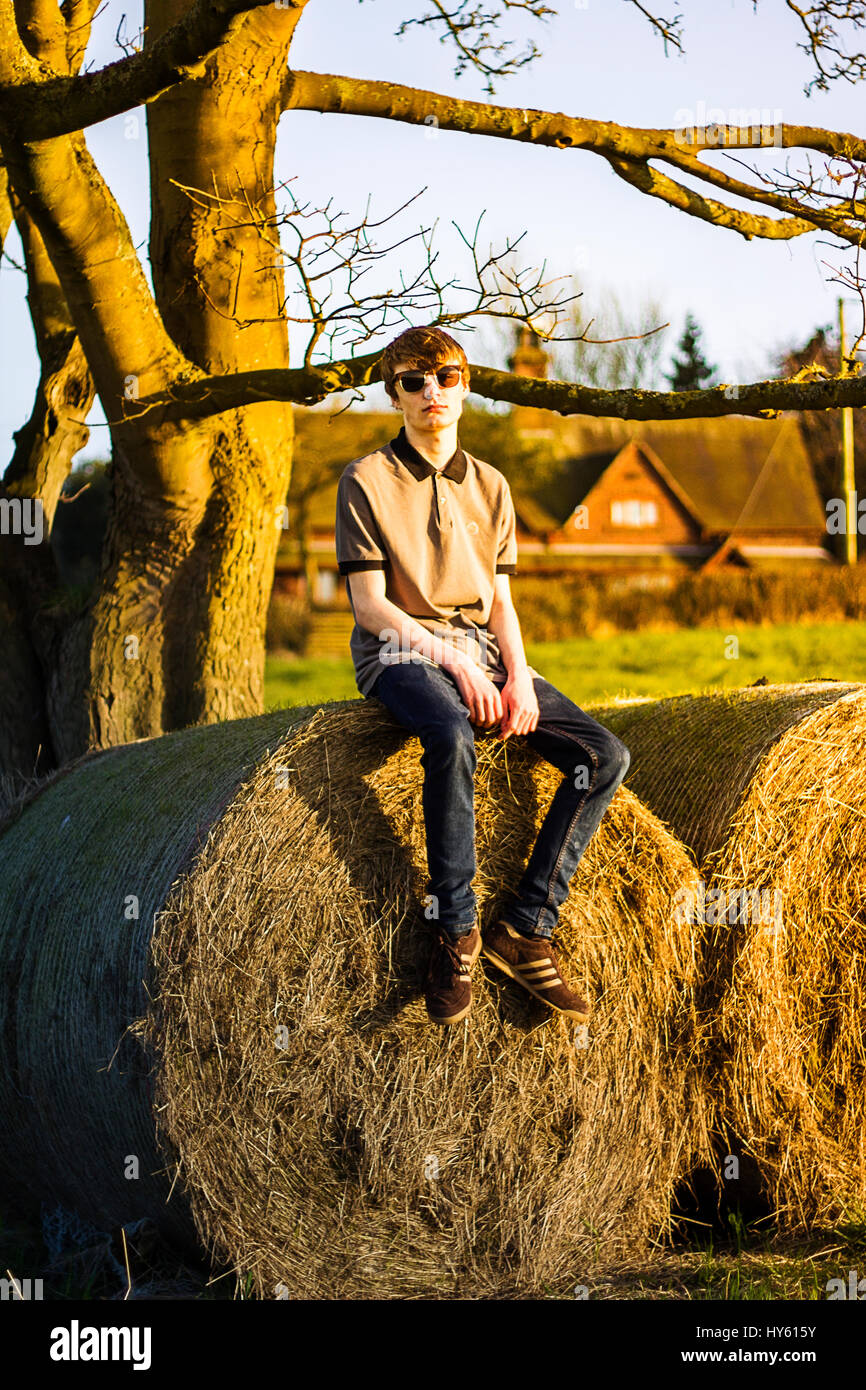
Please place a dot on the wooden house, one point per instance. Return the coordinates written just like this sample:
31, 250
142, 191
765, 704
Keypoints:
626, 496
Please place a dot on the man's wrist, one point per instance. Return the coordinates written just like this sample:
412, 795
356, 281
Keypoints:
451, 658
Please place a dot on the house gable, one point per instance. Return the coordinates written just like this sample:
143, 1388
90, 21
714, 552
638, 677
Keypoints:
631, 501
691, 486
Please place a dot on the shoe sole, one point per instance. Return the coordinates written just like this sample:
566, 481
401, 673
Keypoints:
500, 964
458, 1018
455, 1018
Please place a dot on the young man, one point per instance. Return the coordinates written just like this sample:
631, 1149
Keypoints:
426, 538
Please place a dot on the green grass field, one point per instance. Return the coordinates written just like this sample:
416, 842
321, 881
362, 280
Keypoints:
648, 663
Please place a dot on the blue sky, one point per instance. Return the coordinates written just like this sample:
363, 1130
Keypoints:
599, 59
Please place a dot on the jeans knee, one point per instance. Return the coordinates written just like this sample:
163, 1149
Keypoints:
617, 758
450, 736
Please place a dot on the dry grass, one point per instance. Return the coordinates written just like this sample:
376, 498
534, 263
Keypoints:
695, 757
767, 787
791, 1033
365, 1152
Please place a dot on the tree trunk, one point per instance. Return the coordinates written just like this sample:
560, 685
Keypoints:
177, 635
29, 583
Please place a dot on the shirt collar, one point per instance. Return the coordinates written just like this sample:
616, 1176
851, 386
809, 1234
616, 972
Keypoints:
455, 468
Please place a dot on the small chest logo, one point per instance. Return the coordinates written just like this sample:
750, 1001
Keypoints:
472, 528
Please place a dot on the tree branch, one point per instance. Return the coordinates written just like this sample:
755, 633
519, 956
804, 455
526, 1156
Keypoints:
657, 185
669, 30
628, 149
36, 104
356, 96
470, 28
210, 395
5, 208
822, 38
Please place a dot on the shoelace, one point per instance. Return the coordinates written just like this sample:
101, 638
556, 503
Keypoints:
552, 952
450, 954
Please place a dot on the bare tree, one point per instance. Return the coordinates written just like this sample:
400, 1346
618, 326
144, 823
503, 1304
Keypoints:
622, 345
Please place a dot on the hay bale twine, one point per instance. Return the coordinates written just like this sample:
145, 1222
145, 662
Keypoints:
327, 1139
693, 757
791, 1033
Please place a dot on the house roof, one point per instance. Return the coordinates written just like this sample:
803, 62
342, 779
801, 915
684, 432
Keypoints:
734, 472
533, 515
731, 472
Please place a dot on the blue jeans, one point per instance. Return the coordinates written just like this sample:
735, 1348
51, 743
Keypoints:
425, 700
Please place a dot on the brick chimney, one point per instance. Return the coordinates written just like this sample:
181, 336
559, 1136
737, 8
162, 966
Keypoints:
530, 359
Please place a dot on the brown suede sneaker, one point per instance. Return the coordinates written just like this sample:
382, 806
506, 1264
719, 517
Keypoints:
449, 984
533, 963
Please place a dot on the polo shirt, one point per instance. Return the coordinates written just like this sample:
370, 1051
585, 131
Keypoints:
440, 535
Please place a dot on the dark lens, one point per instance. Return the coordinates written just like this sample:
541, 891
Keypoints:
448, 376
411, 381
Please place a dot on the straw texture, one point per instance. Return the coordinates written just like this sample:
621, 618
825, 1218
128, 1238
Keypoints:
791, 1032
693, 757
767, 787
87, 861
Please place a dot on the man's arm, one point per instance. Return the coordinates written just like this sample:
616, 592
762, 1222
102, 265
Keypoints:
383, 618
504, 625
518, 694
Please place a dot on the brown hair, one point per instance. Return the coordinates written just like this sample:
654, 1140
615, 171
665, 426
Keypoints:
424, 348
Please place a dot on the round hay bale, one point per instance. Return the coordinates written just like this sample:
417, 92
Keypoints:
791, 1032
693, 757
326, 1138
745, 779
89, 855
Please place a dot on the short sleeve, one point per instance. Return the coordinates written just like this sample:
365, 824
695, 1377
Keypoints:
359, 542
506, 552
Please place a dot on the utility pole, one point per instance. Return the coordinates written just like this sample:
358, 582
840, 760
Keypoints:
850, 496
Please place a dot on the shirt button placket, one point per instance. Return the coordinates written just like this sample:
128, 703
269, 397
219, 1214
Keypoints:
444, 502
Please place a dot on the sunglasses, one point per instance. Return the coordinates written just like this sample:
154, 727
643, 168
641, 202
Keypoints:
414, 381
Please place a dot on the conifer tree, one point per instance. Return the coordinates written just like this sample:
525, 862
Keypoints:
690, 369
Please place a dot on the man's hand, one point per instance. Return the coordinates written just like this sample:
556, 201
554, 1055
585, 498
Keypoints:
477, 692
514, 703
520, 705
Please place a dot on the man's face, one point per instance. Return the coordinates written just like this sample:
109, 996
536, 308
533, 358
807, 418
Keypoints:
434, 407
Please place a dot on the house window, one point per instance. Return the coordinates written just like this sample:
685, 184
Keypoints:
326, 586
634, 513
